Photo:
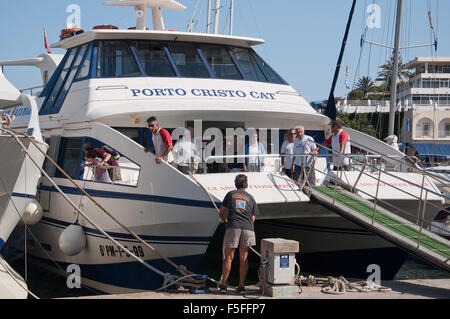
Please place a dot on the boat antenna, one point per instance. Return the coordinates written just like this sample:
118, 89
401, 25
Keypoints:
141, 10
330, 110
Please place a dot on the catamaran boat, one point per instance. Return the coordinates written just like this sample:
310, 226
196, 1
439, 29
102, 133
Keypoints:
103, 90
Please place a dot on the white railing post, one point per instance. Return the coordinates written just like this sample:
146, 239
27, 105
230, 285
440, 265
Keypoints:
420, 199
422, 219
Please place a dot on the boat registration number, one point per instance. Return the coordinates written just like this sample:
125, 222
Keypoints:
116, 251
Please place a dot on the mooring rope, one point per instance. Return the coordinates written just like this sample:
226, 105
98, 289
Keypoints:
182, 269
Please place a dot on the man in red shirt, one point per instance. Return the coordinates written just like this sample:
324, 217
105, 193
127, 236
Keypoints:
162, 142
339, 142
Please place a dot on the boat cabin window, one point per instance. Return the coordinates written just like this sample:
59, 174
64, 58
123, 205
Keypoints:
139, 58
85, 65
70, 76
140, 135
248, 65
62, 83
53, 143
70, 155
71, 160
153, 59
220, 62
115, 59
125, 173
271, 75
58, 81
188, 60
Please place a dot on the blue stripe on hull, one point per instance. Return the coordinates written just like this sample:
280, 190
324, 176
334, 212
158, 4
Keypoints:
124, 237
2, 243
23, 195
133, 196
133, 275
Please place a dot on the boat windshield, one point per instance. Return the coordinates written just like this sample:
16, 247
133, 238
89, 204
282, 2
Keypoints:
138, 58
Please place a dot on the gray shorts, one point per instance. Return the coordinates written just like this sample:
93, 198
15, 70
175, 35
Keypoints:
235, 237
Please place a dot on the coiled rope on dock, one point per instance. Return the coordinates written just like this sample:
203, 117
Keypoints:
340, 285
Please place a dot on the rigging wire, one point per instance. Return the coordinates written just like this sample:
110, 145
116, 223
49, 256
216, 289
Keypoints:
191, 20
199, 15
252, 11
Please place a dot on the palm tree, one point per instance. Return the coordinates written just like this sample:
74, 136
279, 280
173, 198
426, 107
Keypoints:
387, 68
365, 84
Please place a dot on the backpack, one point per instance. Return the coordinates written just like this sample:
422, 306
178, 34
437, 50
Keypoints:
114, 154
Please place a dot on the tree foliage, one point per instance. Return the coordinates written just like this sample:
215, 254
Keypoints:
387, 68
365, 84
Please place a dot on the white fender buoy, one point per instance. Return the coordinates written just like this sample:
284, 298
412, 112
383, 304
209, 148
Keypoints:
72, 240
33, 213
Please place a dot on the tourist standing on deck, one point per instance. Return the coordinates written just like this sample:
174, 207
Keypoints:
114, 172
239, 220
339, 142
100, 170
254, 147
303, 165
185, 152
162, 142
287, 148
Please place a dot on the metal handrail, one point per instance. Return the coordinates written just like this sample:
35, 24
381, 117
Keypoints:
335, 177
401, 162
386, 172
402, 190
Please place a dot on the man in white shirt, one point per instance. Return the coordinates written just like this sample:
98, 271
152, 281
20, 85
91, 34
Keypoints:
185, 152
303, 165
287, 148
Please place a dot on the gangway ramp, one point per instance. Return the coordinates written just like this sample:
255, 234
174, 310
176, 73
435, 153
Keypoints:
413, 238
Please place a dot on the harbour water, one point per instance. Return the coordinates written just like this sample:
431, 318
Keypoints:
46, 284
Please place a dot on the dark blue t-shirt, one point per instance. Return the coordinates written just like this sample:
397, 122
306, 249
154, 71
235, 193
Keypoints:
241, 207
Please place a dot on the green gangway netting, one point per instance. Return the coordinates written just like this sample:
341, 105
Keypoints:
395, 225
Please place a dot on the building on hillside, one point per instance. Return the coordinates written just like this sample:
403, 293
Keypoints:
430, 84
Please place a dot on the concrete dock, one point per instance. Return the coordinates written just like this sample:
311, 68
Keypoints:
400, 289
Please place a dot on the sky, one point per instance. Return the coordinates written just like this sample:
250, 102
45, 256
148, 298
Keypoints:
303, 37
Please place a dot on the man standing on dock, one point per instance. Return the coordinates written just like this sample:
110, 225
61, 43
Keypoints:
239, 221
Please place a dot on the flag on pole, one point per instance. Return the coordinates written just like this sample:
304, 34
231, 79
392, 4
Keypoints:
346, 78
46, 43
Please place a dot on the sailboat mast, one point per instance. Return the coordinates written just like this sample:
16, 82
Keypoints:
231, 16
395, 68
330, 109
216, 17
208, 17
